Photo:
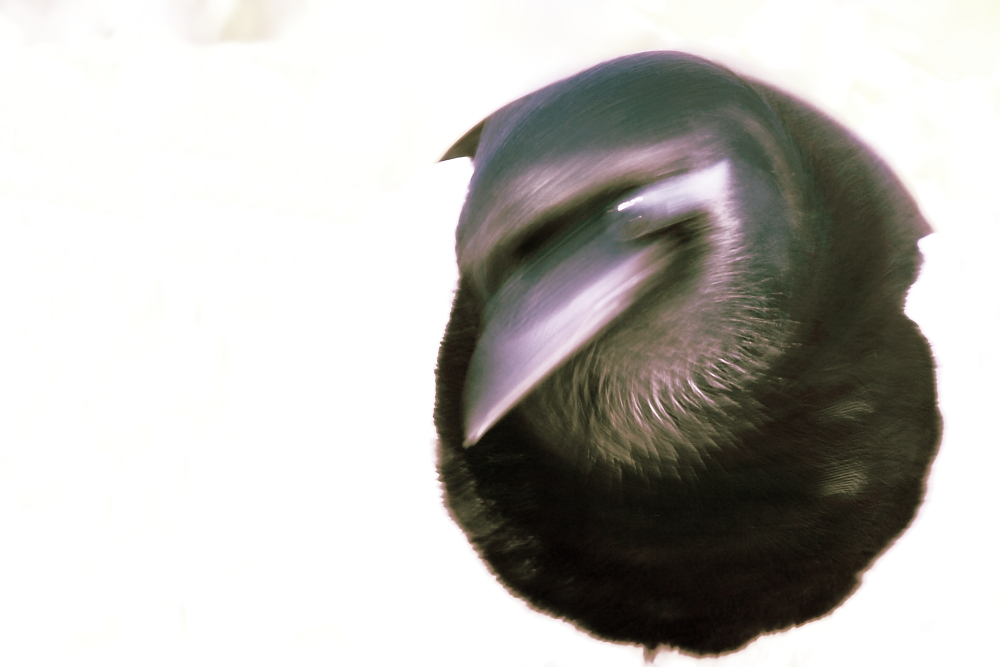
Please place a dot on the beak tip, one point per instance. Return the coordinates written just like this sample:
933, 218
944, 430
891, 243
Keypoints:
473, 435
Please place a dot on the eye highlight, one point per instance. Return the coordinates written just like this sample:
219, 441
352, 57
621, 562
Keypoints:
671, 201
629, 204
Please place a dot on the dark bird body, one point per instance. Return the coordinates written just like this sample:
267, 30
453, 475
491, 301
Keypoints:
747, 418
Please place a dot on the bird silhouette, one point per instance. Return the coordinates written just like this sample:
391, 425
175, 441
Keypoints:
678, 401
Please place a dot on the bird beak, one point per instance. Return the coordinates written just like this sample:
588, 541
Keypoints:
550, 308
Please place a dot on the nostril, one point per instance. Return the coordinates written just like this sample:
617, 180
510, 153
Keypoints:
508, 258
539, 238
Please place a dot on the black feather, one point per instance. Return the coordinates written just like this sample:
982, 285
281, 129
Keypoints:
731, 455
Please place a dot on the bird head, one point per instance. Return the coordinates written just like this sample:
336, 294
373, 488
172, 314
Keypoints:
637, 239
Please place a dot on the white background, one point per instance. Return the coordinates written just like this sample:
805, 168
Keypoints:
226, 259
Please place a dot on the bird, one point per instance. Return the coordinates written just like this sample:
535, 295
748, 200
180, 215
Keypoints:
678, 402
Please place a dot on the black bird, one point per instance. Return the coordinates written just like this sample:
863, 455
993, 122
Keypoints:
678, 401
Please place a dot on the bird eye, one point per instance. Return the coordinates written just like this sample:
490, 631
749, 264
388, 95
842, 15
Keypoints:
664, 205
